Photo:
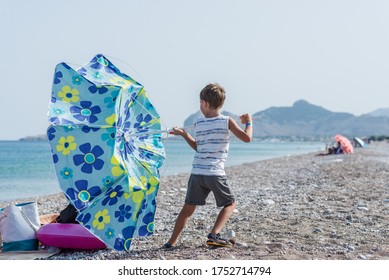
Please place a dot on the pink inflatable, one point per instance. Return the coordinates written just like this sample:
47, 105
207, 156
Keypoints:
71, 236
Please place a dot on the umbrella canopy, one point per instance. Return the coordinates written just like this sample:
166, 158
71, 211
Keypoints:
112, 180
346, 145
359, 142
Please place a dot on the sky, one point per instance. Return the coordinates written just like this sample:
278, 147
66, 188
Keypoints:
331, 53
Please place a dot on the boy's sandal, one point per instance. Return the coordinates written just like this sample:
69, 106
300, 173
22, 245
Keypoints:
168, 246
218, 241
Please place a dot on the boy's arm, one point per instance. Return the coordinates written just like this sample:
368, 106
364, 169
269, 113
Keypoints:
188, 138
245, 135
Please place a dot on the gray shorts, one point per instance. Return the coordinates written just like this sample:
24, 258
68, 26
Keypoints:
199, 186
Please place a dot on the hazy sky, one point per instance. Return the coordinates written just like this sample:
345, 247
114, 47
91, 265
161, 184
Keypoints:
264, 52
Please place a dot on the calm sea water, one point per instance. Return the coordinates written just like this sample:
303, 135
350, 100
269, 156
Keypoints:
26, 168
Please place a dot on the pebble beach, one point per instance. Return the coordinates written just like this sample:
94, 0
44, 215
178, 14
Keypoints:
302, 207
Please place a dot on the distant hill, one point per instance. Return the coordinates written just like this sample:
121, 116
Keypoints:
42, 137
382, 112
306, 120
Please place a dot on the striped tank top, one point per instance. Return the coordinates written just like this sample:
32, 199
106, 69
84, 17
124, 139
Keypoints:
212, 138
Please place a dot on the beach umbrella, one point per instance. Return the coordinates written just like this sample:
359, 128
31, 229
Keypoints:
106, 162
359, 142
346, 145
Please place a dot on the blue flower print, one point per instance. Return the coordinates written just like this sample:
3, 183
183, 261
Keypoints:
57, 77
108, 181
98, 76
54, 120
123, 122
100, 89
145, 154
66, 173
125, 242
55, 157
67, 125
133, 93
148, 225
51, 133
127, 105
110, 233
124, 213
81, 194
82, 71
140, 125
125, 125
87, 129
65, 66
110, 101
112, 195
57, 112
76, 80
84, 219
85, 112
89, 159
109, 137
126, 148
144, 204
99, 62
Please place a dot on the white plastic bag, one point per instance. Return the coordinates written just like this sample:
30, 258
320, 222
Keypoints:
18, 226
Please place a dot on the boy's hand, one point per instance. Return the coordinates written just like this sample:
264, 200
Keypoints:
177, 131
245, 118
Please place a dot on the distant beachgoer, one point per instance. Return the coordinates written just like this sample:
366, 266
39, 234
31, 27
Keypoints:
338, 149
330, 151
211, 143
334, 150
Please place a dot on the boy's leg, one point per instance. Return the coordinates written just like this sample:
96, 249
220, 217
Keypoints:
223, 217
186, 211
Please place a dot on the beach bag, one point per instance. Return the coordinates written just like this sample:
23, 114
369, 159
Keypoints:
18, 226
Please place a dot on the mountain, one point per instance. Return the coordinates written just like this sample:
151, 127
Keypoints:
303, 119
382, 112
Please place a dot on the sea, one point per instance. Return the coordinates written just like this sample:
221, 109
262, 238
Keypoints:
27, 171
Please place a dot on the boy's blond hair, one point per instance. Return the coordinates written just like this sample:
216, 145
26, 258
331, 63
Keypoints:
214, 94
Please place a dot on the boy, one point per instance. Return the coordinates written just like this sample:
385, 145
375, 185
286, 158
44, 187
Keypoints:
211, 144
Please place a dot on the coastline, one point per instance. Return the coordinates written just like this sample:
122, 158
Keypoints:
297, 207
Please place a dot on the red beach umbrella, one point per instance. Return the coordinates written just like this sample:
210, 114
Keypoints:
346, 145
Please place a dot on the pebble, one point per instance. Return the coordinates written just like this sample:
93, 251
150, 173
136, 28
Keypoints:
351, 247
317, 230
241, 244
324, 198
268, 202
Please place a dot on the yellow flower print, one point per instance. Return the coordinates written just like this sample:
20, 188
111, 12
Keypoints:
110, 121
137, 190
68, 94
66, 145
101, 219
119, 81
152, 184
117, 170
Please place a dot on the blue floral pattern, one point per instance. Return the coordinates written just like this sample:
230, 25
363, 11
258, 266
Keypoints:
89, 158
85, 112
81, 194
110, 178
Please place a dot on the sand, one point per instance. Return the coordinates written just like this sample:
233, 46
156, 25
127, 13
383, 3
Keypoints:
302, 207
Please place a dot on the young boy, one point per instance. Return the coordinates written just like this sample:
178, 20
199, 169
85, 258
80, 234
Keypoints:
211, 144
